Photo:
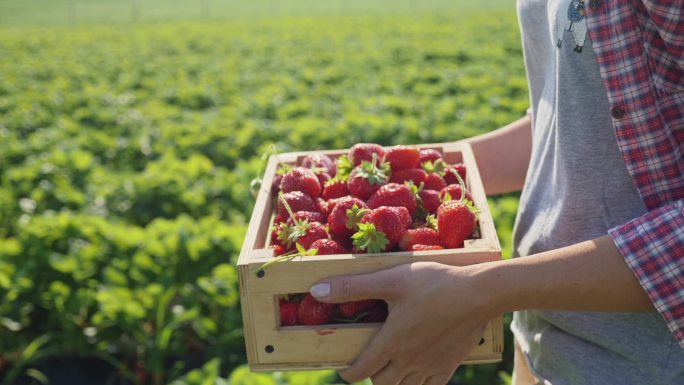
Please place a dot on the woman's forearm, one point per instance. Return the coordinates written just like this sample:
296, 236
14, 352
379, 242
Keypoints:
588, 276
503, 156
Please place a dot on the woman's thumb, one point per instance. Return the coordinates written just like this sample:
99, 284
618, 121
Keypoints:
353, 288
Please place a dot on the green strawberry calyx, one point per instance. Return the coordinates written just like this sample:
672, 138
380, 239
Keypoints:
344, 167
438, 167
299, 252
368, 238
354, 216
373, 173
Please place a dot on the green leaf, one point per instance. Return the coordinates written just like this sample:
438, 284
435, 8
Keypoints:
242, 376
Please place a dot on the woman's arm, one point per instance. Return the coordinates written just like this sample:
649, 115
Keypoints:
438, 312
503, 156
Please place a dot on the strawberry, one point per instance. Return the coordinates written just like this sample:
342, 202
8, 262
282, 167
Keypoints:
313, 312
378, 313
319, 161
311, 216
298, 201
352, 309
301, 232
459, 168
322, 207
429, 155
381, 229
455, 222
430, 200
421, 235
403, 216
328, 247
419, 247
345, 216
402, 157
279, 236
434, 182
331, 203
279, 219
392, 194
301, 179
454, 191
365, 179
415, 175
323, 177
278, 250
288, 313
305, 233
364, 152
335, 188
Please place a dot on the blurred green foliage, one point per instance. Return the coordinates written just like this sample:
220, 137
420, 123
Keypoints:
126, 154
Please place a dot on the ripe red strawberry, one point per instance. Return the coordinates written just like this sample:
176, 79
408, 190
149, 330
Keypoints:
323, 177
301, 179
434, 182
449, 176
415, 175
420, 247
455, 223
313, 312
365, 179
352, 309
279, 236
430, 200
364, 152
335, 189
378, 313
288, 313
311, 216
319, 161
422, 236
278, 250
279, 219
381, 229
345, 216
402, 157
331, 203
298, 201
305, 233
403, 216
328, 247
454, 191
393, 194
322, 207
429, 155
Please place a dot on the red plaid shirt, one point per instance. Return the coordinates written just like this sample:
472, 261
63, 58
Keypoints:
640, 51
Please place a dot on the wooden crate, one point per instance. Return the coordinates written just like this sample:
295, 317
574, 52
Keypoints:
271, 347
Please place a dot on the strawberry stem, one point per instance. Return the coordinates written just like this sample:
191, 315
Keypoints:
299, 252
281, 196
460, 182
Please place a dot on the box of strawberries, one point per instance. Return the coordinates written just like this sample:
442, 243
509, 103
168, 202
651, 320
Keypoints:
325, 213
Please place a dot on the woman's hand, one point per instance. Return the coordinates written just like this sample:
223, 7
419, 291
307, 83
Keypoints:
436, 317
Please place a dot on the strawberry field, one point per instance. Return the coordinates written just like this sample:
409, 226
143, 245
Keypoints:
127, 151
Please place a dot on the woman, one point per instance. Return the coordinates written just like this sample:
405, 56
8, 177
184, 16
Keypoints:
598, 294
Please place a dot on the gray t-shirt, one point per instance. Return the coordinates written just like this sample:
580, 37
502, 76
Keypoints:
577, 188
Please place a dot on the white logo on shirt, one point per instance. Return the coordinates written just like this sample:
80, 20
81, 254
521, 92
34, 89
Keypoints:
572, 20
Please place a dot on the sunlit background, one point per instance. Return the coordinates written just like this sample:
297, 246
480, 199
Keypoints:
130, 131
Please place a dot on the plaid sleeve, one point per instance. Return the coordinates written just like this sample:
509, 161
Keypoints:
668, 18
653, 246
